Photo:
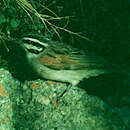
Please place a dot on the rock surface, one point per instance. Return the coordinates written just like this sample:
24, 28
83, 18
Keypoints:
49, 105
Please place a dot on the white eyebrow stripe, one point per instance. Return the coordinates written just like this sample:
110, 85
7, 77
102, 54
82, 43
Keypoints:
35, 40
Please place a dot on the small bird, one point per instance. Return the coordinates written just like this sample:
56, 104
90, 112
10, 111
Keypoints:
61, 62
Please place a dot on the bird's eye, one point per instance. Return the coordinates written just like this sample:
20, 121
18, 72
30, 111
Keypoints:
34, 41
30, 42
33, 51
33, 47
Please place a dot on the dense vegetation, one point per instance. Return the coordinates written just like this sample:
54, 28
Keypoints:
75, 22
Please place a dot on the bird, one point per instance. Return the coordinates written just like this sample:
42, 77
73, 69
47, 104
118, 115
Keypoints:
57, 61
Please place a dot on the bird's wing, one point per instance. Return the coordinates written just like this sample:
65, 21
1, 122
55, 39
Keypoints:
72, 61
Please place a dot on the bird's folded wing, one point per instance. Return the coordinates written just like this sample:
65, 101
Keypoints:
73, 62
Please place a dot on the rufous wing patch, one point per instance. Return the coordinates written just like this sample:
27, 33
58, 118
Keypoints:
57, 61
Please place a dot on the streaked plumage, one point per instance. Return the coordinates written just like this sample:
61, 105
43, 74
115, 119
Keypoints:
61, 62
